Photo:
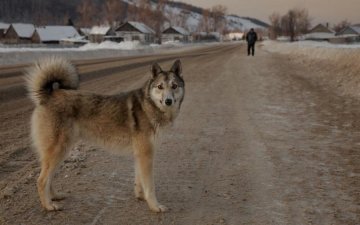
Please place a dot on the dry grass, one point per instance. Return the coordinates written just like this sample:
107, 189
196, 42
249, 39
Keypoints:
337, 67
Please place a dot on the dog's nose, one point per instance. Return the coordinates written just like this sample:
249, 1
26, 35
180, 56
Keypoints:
168, 102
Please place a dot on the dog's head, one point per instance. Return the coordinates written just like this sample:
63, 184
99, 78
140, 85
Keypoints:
167, 88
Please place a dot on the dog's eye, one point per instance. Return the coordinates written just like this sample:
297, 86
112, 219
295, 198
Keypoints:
174, 86
160, 87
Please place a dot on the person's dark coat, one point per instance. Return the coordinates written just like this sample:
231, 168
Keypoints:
251, 37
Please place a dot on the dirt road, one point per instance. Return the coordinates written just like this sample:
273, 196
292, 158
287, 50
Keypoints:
255, 143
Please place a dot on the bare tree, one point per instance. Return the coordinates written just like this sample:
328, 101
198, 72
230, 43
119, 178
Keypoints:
159, 18
112, 11
302, 21
295, 22
144, 11
275, 25
218, 15
87, 11
341, 25
205, 22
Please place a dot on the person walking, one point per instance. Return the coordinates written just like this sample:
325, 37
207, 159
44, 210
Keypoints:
251, 38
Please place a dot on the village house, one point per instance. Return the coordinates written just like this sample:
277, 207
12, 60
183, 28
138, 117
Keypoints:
84, 32
19, 33
53, 34
3, 28
234, 36
135, 31
350, 31
99, 34
175, 34
348, 35
320, 32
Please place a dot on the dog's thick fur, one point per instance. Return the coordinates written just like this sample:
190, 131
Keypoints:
63, 115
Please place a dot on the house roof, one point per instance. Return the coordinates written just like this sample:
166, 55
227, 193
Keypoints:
4, 26
85, 31
180, 30
56, 33
325, 29
354, 28
24, 30
102, 30
140, 27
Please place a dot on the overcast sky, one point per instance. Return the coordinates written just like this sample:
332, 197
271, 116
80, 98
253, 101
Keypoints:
332, 11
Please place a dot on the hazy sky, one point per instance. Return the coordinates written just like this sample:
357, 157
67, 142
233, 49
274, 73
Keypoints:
332, 11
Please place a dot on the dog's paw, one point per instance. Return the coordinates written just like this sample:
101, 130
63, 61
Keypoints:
159, 208
58, 196
52, 207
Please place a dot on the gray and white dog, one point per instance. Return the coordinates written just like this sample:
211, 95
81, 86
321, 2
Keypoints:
63, 115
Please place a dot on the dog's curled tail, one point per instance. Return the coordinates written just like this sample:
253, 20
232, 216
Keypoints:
48, 75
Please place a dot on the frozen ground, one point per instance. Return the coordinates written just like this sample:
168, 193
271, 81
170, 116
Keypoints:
256, 143
23, 55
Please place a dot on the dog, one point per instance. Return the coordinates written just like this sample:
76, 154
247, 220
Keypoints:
63, 115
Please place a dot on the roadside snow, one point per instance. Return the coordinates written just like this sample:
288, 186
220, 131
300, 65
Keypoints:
276, 46
125, 45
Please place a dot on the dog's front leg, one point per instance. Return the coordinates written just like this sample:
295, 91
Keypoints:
144, 170
138, 189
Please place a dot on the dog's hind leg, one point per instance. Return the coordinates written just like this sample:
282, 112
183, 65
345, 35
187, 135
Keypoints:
144, 153
51, 158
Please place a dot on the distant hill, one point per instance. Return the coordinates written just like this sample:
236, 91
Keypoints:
255, 21
52, 12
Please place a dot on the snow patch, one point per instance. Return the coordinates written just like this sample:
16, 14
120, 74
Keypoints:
125, 45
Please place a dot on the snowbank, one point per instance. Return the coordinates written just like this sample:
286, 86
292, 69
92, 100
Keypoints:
126, 45
336, 65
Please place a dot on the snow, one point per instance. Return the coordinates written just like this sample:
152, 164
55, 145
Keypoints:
23, 29
235, 36
142, 27
287, 47
181, 30
4, 26
319, 35
9, 56
125, 45
238, 23
102, 30
194, 19
56, 33
77, 39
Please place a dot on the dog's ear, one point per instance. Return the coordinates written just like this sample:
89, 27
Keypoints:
155, 70
176, 68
